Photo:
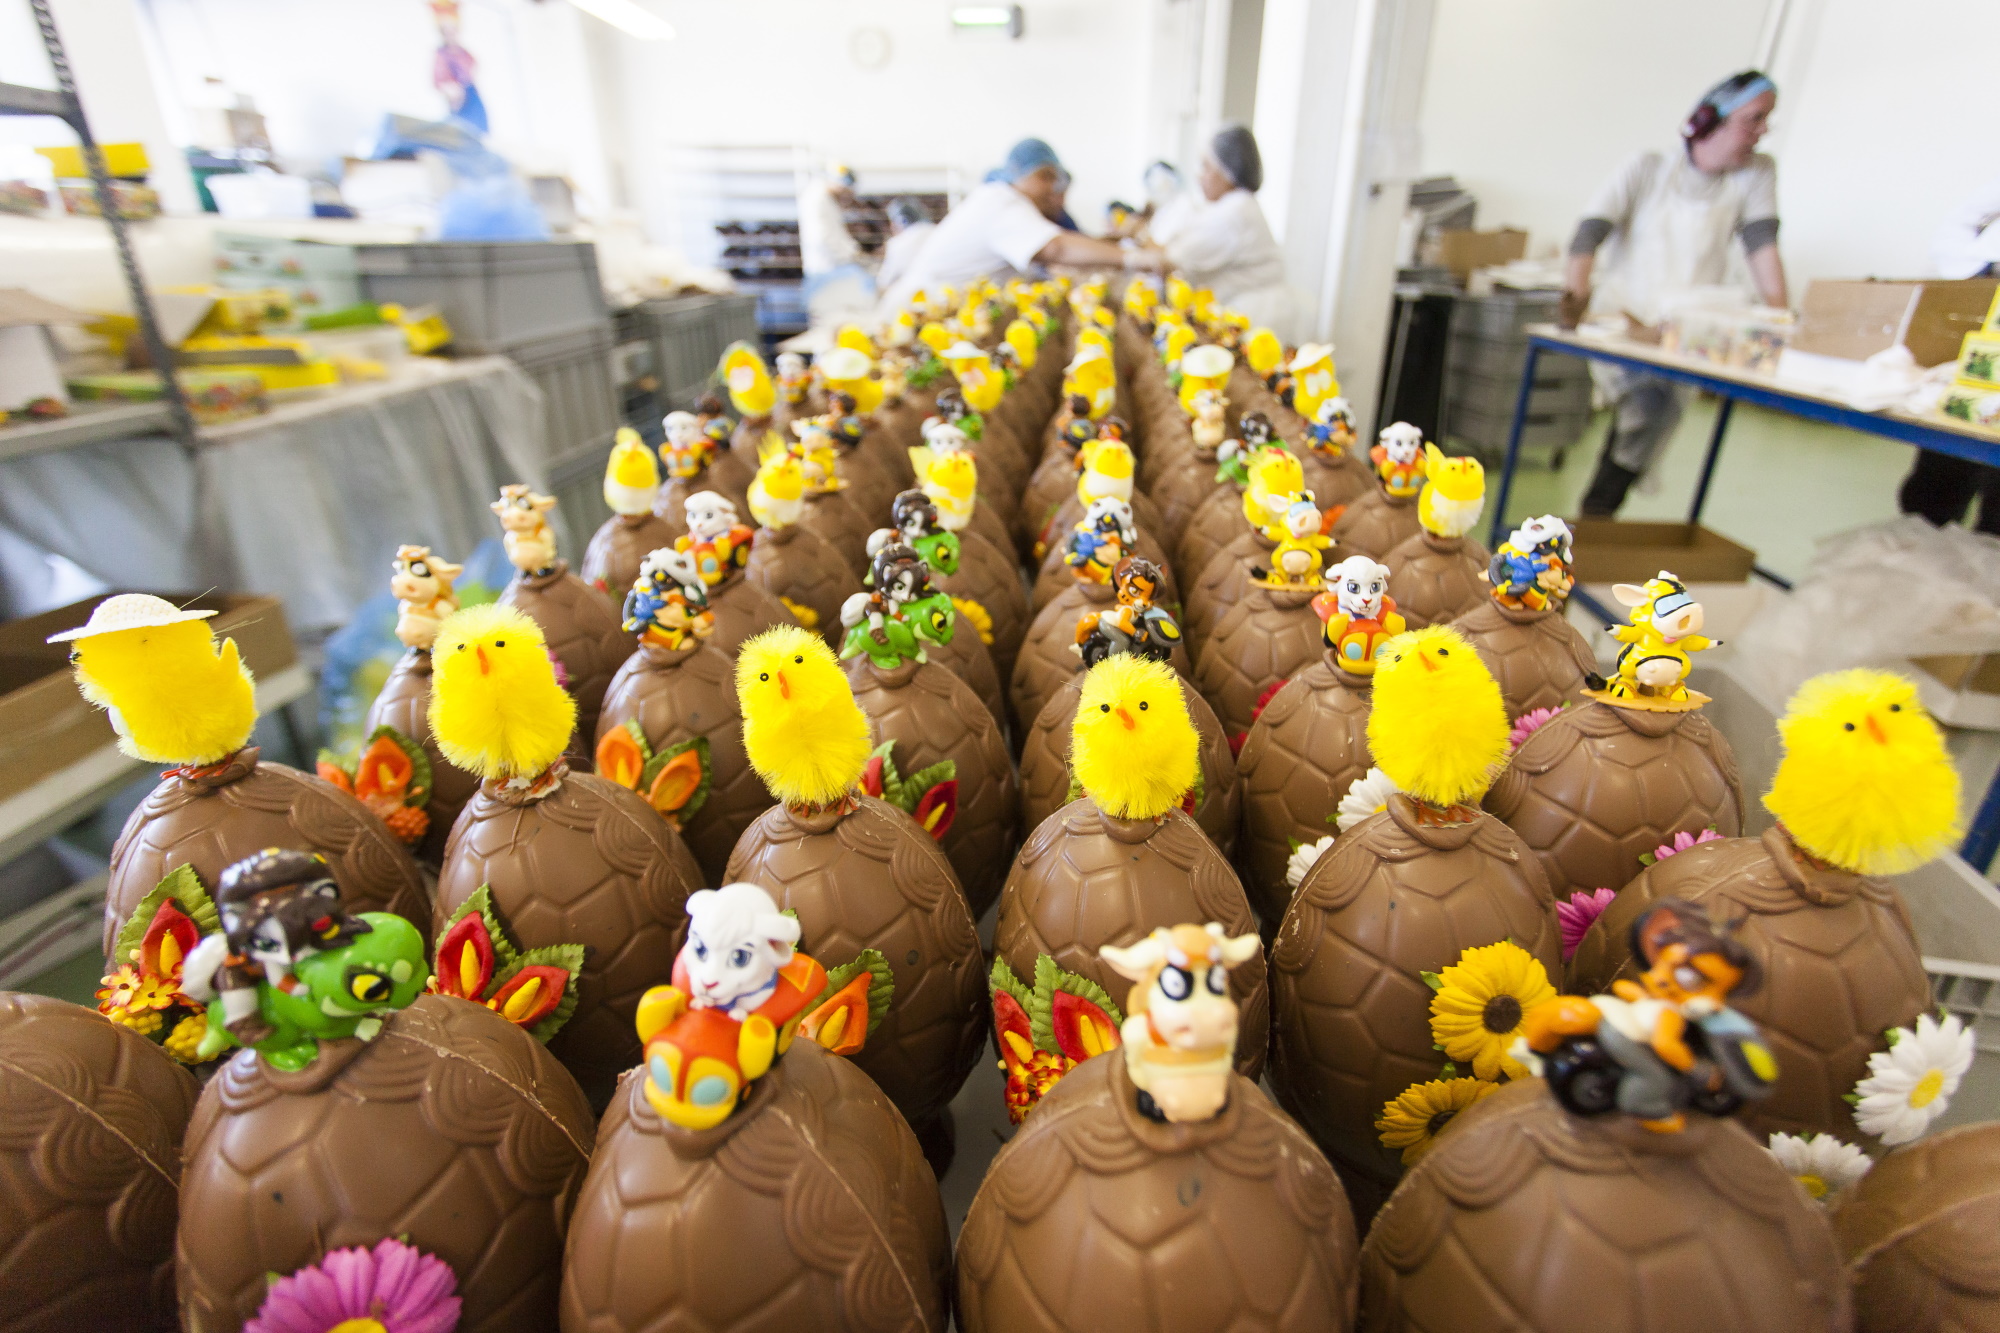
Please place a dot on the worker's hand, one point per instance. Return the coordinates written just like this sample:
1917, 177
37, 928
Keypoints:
1149, 258
1569, 313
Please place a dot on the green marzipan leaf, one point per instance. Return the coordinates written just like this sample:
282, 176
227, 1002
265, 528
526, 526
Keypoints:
638, 733
1002, 978
1075, 790
419, 794
1433, 980
1085, 989
566, 956
660, 759
481, 901
881, 990
1049, 979
892, 781
921, 781
326, 756
185, 888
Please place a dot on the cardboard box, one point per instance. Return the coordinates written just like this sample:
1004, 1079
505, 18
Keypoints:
45, 725
1855, 319
1464, 251
1608, 551
1961, 690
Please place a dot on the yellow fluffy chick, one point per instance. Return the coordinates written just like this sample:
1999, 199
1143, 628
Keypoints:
1132, 747
1454, 493
1020, 336
1866, 782
174, 697
749, 381
496, 709
631, 475
1107, 471
805, 735
1437, 727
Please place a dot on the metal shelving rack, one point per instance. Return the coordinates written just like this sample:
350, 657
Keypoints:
63, 103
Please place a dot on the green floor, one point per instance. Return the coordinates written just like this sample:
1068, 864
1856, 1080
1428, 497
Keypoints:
1782, 484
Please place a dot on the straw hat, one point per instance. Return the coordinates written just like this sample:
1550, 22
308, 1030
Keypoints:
129, 610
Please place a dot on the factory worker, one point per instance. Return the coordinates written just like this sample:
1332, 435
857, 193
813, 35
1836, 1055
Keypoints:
1671, 219
909, 228
837, 286
1007, 226
1224, 244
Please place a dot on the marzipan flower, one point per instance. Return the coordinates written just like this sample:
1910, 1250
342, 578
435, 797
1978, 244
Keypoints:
392, 1288
1821, 1163
1303, 858
1369, 795
1413, 1121
1480, 1003
1575, 916
1911, 1084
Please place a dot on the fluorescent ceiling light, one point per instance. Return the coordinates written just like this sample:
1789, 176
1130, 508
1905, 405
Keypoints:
988, 17
629, 18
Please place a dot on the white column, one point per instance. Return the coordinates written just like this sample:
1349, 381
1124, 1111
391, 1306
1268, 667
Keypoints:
120, 90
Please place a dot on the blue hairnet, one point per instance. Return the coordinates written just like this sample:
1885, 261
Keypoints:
1026, 158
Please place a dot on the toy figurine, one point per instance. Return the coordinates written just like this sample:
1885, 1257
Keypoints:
917, 525
668, 602
1180, 1027
1135, 625
1104, 537
1331, 430
1665, 628
1208, 427
525, 530
716, 542
1531, 570
631, 488
790, 561
421, 581
1400, 459
1297, 557
1357, 612
1441, 572
891, 621
421, 584
1661, 1045
1313, 379
794, 380
688, 448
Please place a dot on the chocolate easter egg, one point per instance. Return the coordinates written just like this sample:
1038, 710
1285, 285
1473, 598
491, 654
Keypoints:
1265, 639
453, 1130
727, 475
1086, 879
621, 542
933, 716
743, 609
1523, 1216
1538, 658
1045, 776
676, 695
1435, 580
404, 703
1179, 489
1921, 1233
870, 878
1377, 523
1048, 656
1094, 1216
1840, 962
1052, 482
588, 863
1308, 746
841, 524
1217, 522
796, 566
1333, 481
91, 1120
1400, 894
1597, 786
811, 1207
1144, 512
988, 576
582, 631
968, 658
1221, 582
207, 818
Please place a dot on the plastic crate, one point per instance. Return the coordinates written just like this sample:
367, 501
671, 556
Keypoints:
1508, 356
579, 390
494, 294
576, 479
1496, 395
688, 335
1556, 431
1502, 313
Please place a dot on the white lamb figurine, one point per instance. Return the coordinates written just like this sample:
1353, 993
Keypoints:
737, 941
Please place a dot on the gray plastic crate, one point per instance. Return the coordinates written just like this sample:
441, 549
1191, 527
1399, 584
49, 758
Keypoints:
494, 294
579, 391
576, 479
1504, 312
1507, 356
1495, 395
688, 335
1556, 431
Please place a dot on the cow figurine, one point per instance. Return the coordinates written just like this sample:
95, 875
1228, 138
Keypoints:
421, 584
524, 522
1180, 1027
1666, 627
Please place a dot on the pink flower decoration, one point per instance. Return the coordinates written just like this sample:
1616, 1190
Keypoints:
397, 1285
562, 672
1528, 724
1576, 915
1683, 841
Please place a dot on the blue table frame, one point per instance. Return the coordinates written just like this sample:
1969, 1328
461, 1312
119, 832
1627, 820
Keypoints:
1982, 840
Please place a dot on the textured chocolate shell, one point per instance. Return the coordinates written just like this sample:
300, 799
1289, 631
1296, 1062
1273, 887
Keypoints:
870, 488
1086, 879
1537, 657
842, 525
589, 864
1397, 896
1435, 580
883, 451
1045, 776
1180, 485
872, 879
1840, 960
988, 575
1094, 1217
1527, 1217
1048, 656
1269, 636
1598, 786
1054, 576
1144, 513
1332, 483
1217, 522
932, 716
1921, 1233
582, 631
1052, 482
1221, 583
453, 1130
1308, 746
972, 662
743, 609
91, 1120
210, 820
811, 1207
727, 475
621, 542
1377, 523
796, 566
404, 704
676, 696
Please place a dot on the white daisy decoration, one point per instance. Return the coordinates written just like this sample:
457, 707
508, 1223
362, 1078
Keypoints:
1910, 1084
1303, 858
1369, 795
1822, 1164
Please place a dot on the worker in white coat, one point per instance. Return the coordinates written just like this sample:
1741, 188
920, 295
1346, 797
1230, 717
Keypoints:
909, 228
837, 285
1169, 202
1671, 219
1223, 242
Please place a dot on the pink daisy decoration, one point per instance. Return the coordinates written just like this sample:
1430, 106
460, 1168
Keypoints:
1683, 841
1576, 915
562, 672
393, 1288
1528, 724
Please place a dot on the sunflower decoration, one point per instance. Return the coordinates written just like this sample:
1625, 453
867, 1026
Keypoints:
978, 616
1413, 1121
143, 992
391, 776
1479, 1005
